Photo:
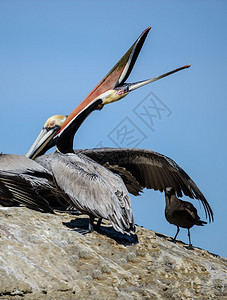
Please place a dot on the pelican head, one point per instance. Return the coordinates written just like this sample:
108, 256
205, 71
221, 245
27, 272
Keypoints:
45, 140
111, 88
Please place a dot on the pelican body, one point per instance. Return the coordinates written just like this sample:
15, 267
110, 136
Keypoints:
92, 189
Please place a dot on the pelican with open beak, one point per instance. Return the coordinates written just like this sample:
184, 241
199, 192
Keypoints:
110, 89
91, 188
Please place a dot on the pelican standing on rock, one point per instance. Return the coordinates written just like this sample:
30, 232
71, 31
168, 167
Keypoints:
91, 188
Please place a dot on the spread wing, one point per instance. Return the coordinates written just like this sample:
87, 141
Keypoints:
151, 170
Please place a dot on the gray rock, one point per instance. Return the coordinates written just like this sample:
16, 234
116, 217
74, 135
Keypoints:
41, 257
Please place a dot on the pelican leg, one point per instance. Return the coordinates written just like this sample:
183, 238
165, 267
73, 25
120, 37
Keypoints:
190, 243
174, 239
89, 229
98, 223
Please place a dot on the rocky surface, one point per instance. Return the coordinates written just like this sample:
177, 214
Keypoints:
43, 257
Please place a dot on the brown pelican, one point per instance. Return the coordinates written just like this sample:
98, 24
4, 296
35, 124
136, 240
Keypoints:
180, 213
93, 189
24, 181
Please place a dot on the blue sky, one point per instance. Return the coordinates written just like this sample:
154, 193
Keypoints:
53, 53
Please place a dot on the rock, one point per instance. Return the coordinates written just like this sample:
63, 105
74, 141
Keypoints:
42, 257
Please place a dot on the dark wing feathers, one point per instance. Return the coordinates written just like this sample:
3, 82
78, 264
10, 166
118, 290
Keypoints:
152, 170
23, 181
130, 181
17, 190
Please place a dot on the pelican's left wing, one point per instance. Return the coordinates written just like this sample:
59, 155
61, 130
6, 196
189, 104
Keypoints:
151, 169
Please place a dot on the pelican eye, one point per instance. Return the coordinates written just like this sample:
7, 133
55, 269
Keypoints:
52, 124
120, 92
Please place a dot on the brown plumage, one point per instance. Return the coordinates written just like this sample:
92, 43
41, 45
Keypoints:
180, 213
145, 168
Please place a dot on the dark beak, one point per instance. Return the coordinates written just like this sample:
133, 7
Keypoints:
136, 85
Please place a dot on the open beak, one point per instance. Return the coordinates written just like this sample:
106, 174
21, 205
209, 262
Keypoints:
113, 87
136, 85
116, 76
